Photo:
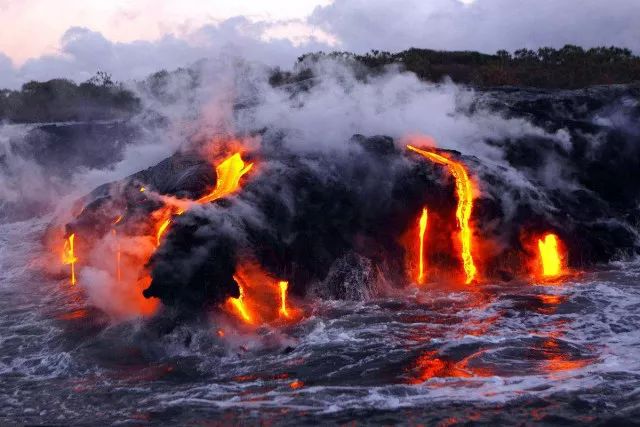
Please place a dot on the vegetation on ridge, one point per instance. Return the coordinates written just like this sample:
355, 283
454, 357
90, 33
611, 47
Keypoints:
570, 67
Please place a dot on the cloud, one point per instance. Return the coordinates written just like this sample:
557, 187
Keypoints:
83, 52
484, 25
7, 72
354, 25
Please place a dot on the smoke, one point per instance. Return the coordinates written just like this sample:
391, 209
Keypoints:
318, 196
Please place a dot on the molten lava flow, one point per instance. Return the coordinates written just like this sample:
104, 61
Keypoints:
68, 256
283, 298
263, 299
550, 255
161, 230
229, 173
422, 223
239, 305
464, 191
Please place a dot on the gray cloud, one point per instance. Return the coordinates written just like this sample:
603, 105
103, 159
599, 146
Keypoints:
357, 25
83, 52
485, 25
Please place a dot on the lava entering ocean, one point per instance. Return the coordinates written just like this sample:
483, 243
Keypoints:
130, 262
291, 232
550, 257
69, 257
422, 224
464, 191
262, 299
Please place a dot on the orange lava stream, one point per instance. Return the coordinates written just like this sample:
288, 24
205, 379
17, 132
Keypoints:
161, 230
229, 173
464, 191
263, 299
239, 305
68, 256
422, 223
283, 298
550, 256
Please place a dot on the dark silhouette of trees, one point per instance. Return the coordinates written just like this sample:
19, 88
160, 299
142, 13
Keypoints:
569, 67
99, 98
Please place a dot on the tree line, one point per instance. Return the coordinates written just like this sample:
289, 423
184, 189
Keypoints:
569, 67
99, 98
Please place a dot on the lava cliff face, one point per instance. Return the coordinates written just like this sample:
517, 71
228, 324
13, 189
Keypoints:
334, 222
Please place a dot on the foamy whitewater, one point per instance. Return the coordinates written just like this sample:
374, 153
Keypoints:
498, 353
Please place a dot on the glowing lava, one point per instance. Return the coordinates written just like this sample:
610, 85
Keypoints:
239, 305
550, 255
422, 223
161, 230
68, 256
263, 299
464, 191
229, 173
283, 298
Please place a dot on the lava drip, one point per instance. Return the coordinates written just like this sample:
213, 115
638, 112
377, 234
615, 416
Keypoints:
239, 304
283, 298
68, 256
263, 299
422, 225
464, 192
550, 258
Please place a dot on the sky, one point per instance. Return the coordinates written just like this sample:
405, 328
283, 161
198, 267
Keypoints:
42, 39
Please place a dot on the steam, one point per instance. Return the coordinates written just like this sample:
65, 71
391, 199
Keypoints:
301, 127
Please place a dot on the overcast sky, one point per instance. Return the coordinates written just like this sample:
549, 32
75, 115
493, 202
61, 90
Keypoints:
42, 39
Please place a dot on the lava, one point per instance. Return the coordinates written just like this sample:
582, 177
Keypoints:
422, 224
161, 230
283, 298
550, 258
239, 305
68, 256
464, 191
229, 173
262, 299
